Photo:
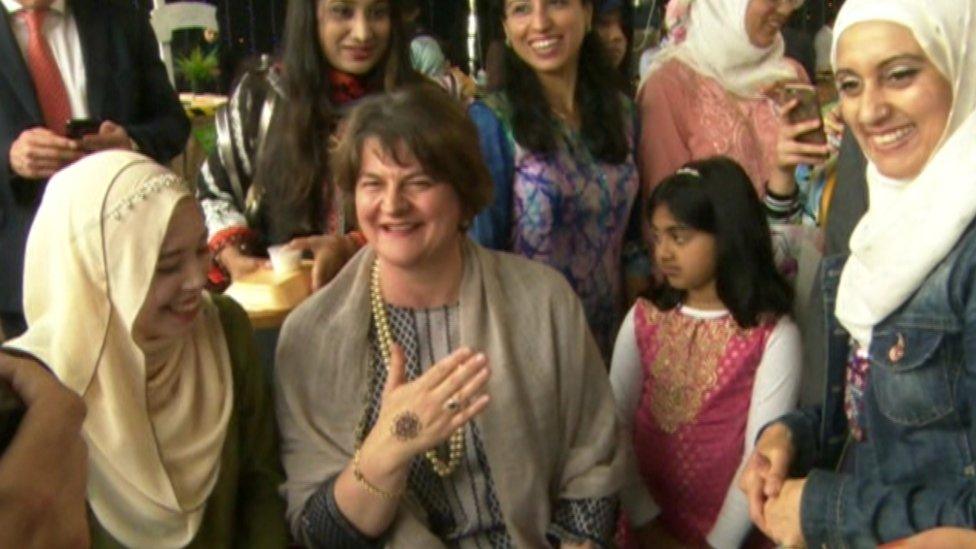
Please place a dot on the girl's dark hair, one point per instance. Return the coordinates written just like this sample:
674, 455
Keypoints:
295, 161
597, 95
721, 201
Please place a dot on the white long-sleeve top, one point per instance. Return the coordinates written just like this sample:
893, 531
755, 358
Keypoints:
774, 393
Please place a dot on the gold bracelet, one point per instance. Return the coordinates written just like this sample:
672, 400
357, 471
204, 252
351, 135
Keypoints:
369, 486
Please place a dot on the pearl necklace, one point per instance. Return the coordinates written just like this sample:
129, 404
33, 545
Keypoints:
385, 337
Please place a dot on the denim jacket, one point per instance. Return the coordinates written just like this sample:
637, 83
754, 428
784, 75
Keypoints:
917, 468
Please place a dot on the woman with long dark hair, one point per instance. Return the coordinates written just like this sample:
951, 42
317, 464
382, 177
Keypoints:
267, 182
558, 139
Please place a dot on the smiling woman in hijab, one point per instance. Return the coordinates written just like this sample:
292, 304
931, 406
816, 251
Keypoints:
890, 453
704, 96
180, 428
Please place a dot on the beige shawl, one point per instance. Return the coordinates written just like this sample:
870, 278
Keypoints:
90, 259
549, 431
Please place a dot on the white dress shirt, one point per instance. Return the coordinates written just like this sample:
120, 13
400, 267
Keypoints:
61, 33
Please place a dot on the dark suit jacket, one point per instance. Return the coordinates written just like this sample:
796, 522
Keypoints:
126, 84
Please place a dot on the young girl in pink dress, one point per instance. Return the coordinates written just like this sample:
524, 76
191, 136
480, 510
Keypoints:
701, 364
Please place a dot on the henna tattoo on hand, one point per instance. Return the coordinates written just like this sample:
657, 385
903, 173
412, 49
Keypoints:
406, 426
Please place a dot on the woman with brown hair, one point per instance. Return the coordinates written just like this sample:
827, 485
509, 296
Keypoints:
267, 181
435, 392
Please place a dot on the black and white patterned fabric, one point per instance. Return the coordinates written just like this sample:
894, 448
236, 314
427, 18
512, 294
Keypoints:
578, 520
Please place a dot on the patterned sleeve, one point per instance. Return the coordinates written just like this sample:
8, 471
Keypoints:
782, 209
580, 520
323, 524
225, 176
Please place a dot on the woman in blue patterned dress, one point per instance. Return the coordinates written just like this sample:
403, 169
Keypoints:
558, 139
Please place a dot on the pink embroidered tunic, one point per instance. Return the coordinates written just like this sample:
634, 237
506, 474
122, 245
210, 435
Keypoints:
686, 116
690, 424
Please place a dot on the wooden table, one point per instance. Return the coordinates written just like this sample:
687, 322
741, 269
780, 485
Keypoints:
268, 298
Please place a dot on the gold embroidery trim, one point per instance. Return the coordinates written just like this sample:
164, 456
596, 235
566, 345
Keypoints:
685, 367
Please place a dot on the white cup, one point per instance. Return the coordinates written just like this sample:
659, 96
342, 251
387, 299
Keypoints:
284, 259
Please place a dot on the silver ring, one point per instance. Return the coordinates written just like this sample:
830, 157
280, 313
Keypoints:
452, 405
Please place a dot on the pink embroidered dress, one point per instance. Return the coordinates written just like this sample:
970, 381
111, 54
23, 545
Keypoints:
687, 116
690, 424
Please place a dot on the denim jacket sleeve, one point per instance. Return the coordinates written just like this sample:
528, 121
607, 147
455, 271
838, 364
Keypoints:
847, 510
492, 227
840, 510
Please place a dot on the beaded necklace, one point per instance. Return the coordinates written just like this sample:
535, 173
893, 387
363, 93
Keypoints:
385, 339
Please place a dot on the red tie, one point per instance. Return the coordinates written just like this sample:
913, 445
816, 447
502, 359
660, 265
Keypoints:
51, 93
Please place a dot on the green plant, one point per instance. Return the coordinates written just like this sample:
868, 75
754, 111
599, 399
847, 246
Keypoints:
198, 68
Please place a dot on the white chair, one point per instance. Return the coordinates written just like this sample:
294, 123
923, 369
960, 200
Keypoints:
166, 18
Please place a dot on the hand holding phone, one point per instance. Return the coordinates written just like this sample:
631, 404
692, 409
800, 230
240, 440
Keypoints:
801, 138
109, 135
806, 109
80, 127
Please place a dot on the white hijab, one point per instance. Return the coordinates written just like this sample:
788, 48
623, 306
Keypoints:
715, 44
154, 445
911, 225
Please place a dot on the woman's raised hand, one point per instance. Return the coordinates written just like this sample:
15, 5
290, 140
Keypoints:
418, 415
767, 470
790, 151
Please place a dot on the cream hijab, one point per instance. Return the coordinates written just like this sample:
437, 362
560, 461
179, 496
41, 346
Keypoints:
154, 445
717, 46
912, 225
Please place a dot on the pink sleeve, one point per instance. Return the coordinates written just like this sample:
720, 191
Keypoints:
662, 147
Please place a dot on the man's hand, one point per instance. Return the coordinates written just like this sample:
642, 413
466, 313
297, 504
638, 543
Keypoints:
110, 136
38, 153
44, 471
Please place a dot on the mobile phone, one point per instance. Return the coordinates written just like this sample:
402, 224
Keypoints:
808, 108
80, 127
